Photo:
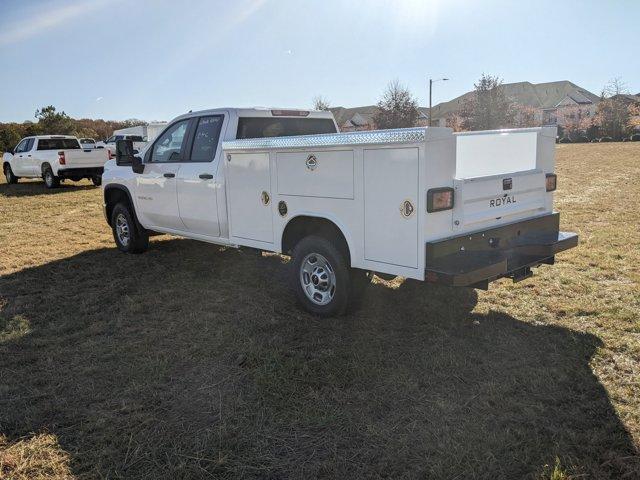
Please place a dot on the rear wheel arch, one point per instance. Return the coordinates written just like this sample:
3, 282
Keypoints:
303, 226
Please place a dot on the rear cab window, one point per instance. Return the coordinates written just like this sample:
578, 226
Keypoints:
58, 144
260, 127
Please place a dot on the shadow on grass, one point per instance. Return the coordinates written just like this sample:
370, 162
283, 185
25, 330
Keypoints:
192, 361
31, 188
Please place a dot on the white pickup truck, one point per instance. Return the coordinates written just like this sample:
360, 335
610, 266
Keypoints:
423, 203
109, 144
53, 158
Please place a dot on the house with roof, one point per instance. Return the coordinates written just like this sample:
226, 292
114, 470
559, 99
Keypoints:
545, 98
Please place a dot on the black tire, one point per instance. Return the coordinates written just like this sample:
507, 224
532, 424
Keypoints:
8, 174
327, 269
50, 180
96, 179
135, 239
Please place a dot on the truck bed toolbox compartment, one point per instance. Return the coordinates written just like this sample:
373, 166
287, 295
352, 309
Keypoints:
327, 174
505, 251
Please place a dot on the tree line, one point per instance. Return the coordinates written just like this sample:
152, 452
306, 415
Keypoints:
49, 121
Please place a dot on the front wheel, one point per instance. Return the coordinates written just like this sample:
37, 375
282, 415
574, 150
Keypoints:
129, 237
321, 277
8, 174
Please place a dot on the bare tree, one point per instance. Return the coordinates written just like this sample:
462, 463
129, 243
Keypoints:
397, 108
455, 122
615, 87
488, 108
320, 103
612, 114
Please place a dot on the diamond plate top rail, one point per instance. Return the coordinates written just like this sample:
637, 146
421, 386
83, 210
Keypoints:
399, 135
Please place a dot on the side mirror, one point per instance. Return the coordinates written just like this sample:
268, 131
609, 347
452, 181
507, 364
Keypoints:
137, 166
124, 152
126, 155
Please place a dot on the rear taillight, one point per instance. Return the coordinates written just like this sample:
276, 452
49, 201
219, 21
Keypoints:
61, 159
551, 182
439, 199
110, 154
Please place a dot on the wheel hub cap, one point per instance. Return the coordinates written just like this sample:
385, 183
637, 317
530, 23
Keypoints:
122, 229
318, 279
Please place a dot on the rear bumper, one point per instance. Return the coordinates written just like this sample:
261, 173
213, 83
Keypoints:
84, 172
508, 251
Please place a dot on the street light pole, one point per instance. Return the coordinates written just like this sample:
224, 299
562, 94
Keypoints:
431, 81
430, 116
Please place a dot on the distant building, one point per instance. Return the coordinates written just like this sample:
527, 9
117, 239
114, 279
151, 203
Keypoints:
545, 98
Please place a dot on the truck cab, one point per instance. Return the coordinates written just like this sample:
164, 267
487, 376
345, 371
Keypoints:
181, 189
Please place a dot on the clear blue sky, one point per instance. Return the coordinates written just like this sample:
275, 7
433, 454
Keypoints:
155, 59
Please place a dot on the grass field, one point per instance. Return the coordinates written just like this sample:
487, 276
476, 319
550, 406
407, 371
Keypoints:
193, 361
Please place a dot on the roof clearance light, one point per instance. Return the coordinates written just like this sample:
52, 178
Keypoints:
439, 199
289, 113
551, 182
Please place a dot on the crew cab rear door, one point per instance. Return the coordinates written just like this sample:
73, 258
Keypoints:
197, 181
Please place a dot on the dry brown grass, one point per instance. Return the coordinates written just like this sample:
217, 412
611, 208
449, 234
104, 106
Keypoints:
192, 361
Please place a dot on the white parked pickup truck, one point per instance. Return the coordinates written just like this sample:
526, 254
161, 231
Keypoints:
423, 203
139, 142
53, 158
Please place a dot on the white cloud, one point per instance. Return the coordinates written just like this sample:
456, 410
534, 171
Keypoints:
47, 19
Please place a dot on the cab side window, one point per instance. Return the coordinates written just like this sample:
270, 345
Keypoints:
205, 140
22, 146
168, 146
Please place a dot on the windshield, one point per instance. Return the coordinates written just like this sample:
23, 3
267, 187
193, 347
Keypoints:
259, 127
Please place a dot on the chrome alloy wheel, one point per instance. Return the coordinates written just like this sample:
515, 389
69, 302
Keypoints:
318, 279
122, 230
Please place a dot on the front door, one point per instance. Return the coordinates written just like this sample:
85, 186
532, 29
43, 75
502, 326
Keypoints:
197, 181
22, 164
156, 189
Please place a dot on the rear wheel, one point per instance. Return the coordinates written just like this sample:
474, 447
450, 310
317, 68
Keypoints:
321, 277
129, 237
50, 180
8, 174
96, 179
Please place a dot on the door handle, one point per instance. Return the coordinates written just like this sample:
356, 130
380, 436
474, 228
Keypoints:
169, 175
28, 155
205, 176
